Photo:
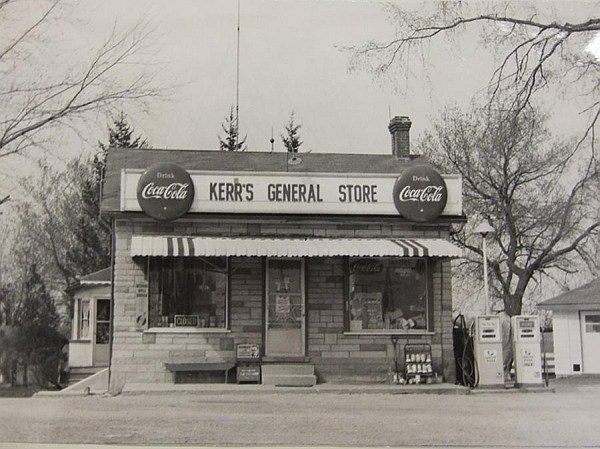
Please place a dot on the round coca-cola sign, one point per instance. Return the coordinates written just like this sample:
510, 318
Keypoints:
420, 194
165, 191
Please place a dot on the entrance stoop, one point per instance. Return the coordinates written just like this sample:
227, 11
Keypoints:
288, 375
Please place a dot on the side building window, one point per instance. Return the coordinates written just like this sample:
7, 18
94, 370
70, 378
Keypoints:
188, 291
389, 294
83, 331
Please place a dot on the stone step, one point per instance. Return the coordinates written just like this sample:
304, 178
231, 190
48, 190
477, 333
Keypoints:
289, 380
288, 369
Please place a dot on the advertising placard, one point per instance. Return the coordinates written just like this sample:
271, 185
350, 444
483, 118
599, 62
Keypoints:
165, 191
420, 194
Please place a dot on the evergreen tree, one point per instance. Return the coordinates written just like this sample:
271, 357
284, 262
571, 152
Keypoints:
91, 251
120, 135
33, 341
231, 141
292, 141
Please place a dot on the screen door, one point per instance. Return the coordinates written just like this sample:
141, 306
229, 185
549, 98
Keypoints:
285, 317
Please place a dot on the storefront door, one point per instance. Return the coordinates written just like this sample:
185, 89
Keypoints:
285, 317
102, 332
590, 341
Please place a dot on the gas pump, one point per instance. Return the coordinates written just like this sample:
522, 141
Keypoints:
527, 350
488, 351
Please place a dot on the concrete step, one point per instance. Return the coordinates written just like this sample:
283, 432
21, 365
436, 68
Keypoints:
288, 369
289, 380
288, 374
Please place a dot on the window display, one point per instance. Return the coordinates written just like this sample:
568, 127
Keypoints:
189, 290
388, 294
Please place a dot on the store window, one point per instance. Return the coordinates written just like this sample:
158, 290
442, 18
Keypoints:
188, 292
389, 294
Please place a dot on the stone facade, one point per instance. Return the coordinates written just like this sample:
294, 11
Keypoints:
140, 356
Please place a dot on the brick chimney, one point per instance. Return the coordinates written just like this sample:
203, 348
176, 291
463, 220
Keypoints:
400, 130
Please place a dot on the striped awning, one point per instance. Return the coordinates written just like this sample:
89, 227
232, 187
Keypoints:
164, 246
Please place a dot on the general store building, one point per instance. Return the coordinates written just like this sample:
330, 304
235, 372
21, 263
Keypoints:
330, 264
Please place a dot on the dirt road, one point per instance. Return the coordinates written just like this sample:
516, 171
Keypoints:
567, 417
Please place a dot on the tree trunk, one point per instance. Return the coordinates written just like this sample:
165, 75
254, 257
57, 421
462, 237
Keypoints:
513, 304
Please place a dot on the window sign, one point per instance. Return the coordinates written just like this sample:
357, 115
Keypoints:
282, 308
392, 297
187, 320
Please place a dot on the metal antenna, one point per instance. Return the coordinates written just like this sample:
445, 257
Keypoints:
237, 81
272, 140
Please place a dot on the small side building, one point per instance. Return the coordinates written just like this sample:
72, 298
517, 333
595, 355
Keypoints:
89, 343
576, 323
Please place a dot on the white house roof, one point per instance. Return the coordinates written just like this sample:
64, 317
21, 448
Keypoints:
586, 297
101, 277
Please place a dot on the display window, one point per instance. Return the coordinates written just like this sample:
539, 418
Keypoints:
188, 292
389, 294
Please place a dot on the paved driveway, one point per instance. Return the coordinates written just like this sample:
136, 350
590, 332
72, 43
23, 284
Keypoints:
569, 416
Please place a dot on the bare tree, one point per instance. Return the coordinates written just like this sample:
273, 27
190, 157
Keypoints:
534, 49
538, 193
538, 198
32, 103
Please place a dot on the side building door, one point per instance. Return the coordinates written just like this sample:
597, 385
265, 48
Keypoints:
102, 333
590, 341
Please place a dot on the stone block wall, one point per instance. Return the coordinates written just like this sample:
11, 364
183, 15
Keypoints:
140, 356
348, 357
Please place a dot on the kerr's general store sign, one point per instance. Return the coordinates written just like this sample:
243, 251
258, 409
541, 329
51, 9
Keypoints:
419, 195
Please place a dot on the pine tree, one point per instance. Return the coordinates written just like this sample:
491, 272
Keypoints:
33, 341
92, 251
231, 141
120, 135
292, 141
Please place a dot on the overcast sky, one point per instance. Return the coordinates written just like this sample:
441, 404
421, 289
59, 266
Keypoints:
290, 60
